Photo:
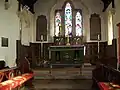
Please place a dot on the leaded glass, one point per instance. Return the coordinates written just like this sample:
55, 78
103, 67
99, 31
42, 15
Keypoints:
78, 25
68, 19
57, 23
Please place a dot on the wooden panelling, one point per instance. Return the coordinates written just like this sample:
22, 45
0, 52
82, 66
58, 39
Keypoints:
37, 56
36, 53
111, 54
46, 51
107, 55
22, 51
18, 48
92, 51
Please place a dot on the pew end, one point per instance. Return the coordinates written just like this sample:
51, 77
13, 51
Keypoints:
16, 82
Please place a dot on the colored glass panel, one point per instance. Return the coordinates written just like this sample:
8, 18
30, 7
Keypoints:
78, 25
57, 24
68, 19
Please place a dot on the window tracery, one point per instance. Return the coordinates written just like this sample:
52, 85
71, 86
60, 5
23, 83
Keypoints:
70, 26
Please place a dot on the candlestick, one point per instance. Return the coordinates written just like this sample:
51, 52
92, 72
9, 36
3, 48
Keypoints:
41, 37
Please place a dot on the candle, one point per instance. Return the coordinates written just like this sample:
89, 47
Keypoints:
98, 37
41, 37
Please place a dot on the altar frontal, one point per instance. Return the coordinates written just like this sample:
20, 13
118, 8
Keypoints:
66, 56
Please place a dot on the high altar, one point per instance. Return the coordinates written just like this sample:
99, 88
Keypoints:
67, 51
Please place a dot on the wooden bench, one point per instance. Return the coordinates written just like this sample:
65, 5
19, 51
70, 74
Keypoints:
8, 73
105, 73
108, 86
15, 82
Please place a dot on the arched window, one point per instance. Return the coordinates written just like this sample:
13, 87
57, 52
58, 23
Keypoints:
68, 19
110, 28
78, 22
57, 23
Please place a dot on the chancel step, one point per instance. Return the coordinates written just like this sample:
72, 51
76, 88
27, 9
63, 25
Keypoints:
63, 73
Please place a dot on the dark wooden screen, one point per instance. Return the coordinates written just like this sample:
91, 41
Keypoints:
41, 28
95, 27
111, 54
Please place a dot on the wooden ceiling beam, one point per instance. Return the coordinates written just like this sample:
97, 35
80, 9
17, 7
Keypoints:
29, 3
107, 3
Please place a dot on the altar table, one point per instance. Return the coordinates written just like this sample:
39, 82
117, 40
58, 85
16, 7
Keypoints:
66, 56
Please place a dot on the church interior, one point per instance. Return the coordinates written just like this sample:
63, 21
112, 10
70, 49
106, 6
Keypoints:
59, 45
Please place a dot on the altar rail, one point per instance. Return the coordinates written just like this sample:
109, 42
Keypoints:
103, 73
16, 82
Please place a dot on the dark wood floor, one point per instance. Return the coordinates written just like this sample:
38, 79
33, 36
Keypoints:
63, 84
62, 80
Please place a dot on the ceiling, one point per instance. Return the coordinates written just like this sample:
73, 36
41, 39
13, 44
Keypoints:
28, 2
31, 3
107, 3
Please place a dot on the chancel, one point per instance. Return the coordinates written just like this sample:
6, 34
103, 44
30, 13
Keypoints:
59, 44
68, 46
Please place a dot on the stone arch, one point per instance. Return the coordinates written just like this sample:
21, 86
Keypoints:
41, 28
85, 12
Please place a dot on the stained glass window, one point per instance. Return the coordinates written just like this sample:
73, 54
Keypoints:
68, 19
78, 25
57, 23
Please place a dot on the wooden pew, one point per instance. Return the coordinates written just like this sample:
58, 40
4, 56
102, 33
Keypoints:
15, 82
108, 86
8, 73
105, 74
